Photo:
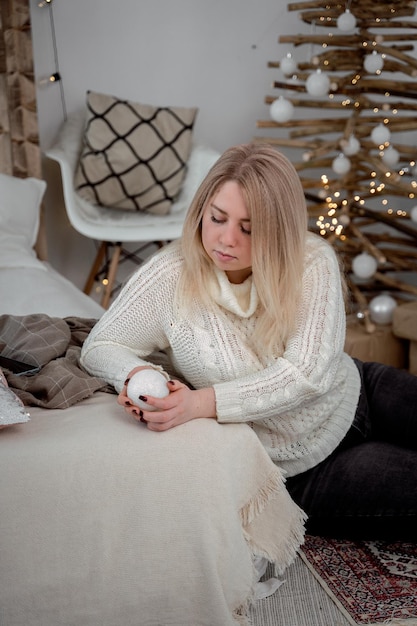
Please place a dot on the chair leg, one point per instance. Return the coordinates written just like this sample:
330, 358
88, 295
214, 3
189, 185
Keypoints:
111, 275
98, 262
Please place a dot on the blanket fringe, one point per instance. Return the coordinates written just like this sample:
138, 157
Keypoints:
287, 534
273, 485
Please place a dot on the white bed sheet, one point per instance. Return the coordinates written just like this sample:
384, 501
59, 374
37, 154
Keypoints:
40, 289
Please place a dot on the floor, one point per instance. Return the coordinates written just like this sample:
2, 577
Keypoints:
300, 601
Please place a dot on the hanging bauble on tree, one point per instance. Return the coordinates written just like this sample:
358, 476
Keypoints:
381, 309
346, 22
281, 110
391, 156
288, 65
350, 146
373, 62
364, 265
380, 134
341, 164
413, 213
318, 84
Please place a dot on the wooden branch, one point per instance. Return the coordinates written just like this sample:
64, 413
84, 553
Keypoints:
379, 7
392, 282
366, 243
403, 228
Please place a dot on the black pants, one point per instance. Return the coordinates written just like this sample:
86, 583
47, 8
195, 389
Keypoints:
367, 488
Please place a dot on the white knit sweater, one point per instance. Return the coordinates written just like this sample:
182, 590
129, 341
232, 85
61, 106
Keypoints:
300, 405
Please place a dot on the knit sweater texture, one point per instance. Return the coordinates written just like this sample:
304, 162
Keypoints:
300, 404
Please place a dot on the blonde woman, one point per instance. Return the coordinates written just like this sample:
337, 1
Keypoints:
246, 312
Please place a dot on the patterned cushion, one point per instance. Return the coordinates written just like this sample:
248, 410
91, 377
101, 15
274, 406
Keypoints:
134, 155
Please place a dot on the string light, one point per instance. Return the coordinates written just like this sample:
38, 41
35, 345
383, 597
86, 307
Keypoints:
55, 77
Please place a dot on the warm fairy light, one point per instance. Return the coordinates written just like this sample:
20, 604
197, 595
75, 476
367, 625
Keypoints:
373, 174
384, 201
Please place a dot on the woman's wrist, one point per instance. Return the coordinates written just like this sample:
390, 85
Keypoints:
205, 405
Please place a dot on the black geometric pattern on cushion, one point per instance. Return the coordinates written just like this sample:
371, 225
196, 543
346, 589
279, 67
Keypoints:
134, 155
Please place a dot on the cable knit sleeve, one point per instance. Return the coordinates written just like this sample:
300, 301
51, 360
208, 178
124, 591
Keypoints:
310, 364
135, 324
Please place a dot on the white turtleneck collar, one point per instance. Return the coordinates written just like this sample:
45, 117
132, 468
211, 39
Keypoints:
241, 299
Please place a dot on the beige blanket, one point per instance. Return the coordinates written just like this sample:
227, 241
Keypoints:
54, 344
104, 523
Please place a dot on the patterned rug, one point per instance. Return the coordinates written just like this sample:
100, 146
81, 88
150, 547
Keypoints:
372, 582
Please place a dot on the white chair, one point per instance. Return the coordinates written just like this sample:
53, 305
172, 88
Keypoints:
114, 227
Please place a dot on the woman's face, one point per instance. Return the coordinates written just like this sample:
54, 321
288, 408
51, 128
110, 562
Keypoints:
226, 232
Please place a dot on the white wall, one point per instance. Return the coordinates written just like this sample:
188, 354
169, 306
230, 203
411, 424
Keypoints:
212, 54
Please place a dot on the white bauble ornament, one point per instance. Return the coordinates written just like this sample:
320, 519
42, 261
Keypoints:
341, 164
288, 65
373, 62
381, 309
346, 21
380, 134
413, 213
364, 265
147, 382
391, 156
350, 146
281, 110
318, 84
344, 219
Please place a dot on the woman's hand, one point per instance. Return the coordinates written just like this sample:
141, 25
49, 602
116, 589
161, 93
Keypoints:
180, 406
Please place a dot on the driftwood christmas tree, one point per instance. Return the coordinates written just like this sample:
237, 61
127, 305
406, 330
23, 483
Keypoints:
350, 112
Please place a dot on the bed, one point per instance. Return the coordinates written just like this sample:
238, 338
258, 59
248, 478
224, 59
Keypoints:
102, 522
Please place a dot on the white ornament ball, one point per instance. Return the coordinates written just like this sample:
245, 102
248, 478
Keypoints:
318, 84
288, 65
344, 219
148, 382
281, 110
380, 134
391, 156
364, 265
381, 309
373, 62
346, 21
350, 146
413, 213
341, 164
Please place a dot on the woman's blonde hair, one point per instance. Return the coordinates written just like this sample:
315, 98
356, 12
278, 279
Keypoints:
275, 201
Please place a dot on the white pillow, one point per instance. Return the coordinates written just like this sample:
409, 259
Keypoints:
20, 200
